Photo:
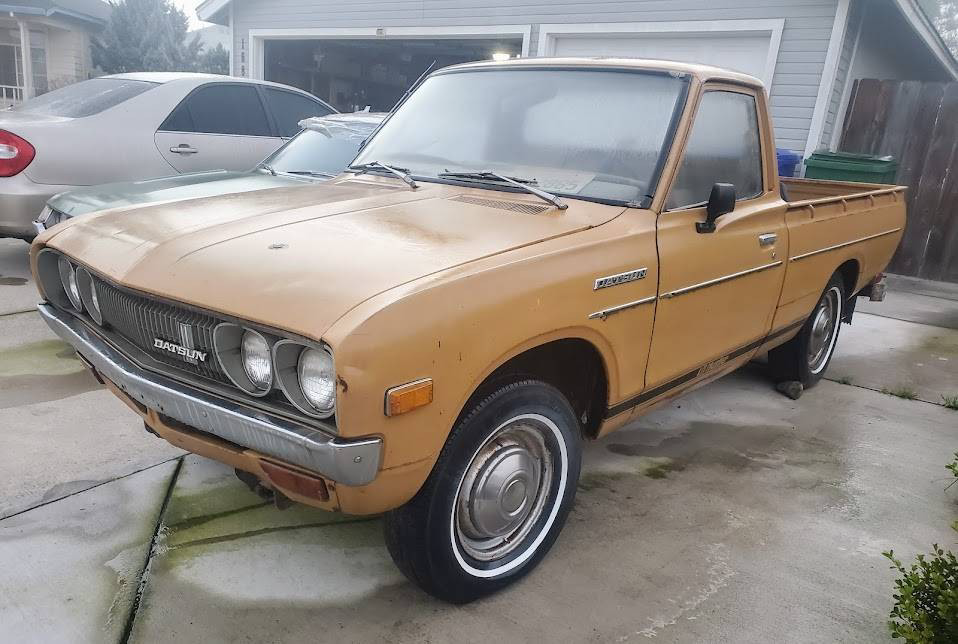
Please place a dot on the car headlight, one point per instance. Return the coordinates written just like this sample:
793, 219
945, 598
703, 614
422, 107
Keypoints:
317, 380
88, 294
68, 277
257, 362
44, 216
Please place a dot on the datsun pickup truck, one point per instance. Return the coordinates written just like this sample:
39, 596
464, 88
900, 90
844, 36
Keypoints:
524, 256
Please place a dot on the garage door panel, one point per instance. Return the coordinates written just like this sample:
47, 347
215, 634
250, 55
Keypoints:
741, 52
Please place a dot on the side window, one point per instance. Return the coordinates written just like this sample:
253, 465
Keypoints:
290, 108
723, 147
220, 109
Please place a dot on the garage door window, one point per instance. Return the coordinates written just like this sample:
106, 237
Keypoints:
220, 109
723, 147
290, 108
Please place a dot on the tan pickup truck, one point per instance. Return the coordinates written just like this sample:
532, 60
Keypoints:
524, 256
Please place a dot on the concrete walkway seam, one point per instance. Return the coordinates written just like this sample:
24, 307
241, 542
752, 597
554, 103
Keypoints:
145, 572
74, 493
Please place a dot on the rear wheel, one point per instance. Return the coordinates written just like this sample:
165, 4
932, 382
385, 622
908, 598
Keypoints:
805, 357
496, 499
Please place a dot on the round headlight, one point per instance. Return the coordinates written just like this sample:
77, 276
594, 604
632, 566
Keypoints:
95, 302
88, 294
68, 277
254, 351
317, 379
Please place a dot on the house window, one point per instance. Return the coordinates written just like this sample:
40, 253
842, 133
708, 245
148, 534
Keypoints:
11, 64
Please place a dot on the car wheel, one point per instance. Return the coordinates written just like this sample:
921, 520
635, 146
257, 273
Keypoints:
806, 356
496, 499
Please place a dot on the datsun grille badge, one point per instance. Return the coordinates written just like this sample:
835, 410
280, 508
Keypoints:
185, 350
179, 350
621, 278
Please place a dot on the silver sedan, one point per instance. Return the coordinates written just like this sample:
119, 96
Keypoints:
129, 127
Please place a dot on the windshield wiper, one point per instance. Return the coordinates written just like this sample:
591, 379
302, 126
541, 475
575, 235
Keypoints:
268, 168
487, 175
312, 173
402, 173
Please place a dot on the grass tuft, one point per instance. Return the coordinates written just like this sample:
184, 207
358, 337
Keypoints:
844, 380
951, 402
901, 391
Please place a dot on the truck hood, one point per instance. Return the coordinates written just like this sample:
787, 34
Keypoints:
299, 258
82, 201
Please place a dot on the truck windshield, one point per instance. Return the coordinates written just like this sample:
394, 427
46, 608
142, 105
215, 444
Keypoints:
594, 134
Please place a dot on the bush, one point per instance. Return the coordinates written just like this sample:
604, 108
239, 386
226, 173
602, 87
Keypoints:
926, 601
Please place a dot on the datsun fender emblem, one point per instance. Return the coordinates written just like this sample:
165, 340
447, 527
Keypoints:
621, 278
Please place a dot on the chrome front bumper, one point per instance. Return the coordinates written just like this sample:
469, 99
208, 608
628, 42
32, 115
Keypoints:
353, 462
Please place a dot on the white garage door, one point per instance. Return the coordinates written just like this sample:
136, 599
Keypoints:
745, 52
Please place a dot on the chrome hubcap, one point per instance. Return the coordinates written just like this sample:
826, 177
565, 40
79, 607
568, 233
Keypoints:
503, 492
824, 326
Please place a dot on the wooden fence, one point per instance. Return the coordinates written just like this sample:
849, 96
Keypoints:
917, 123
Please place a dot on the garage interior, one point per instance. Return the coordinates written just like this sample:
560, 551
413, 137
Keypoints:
351, 74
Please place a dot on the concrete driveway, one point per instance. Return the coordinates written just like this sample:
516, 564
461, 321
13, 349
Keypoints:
733, 514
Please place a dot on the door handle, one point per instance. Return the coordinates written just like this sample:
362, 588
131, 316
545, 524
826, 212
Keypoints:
767, 239
183, 148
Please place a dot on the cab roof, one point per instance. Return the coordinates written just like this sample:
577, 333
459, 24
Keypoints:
702, 72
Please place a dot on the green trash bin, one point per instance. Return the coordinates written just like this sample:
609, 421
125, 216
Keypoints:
845, 166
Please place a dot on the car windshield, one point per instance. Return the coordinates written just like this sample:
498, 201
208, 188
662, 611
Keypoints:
85, 99
594, 134
324, 147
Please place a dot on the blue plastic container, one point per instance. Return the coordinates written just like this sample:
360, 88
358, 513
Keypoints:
787, 162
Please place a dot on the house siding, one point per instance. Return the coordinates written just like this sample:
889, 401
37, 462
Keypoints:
795, 86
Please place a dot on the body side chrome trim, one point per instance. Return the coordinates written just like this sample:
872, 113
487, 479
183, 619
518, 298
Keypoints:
698, 372
719, 280
621, 307
842, 245
353, 462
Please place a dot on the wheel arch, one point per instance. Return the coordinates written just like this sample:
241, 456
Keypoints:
850, 271
573, 364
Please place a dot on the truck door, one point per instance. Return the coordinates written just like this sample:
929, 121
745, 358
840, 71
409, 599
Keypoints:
718, 290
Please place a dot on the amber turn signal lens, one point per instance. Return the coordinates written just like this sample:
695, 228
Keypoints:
407, 397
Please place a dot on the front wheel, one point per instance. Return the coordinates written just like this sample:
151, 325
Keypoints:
806, 356
496, 499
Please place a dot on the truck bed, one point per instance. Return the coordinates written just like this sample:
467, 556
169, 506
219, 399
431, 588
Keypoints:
804, 192
854, 226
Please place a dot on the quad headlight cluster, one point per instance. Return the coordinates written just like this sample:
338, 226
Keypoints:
257, 364
69, 285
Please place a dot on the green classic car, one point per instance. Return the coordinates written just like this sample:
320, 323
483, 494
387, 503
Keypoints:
321, 151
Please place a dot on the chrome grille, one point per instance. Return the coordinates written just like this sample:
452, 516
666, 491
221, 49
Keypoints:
141, 320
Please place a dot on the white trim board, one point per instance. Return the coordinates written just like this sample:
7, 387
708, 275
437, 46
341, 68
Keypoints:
549, 32
827, 83
839, 124
258, 36
928, 33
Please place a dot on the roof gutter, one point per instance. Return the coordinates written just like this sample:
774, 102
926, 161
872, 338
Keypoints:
210, 10
927, 31
49, 13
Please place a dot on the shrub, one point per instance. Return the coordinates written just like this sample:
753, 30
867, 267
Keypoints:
926, 597
926, 601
